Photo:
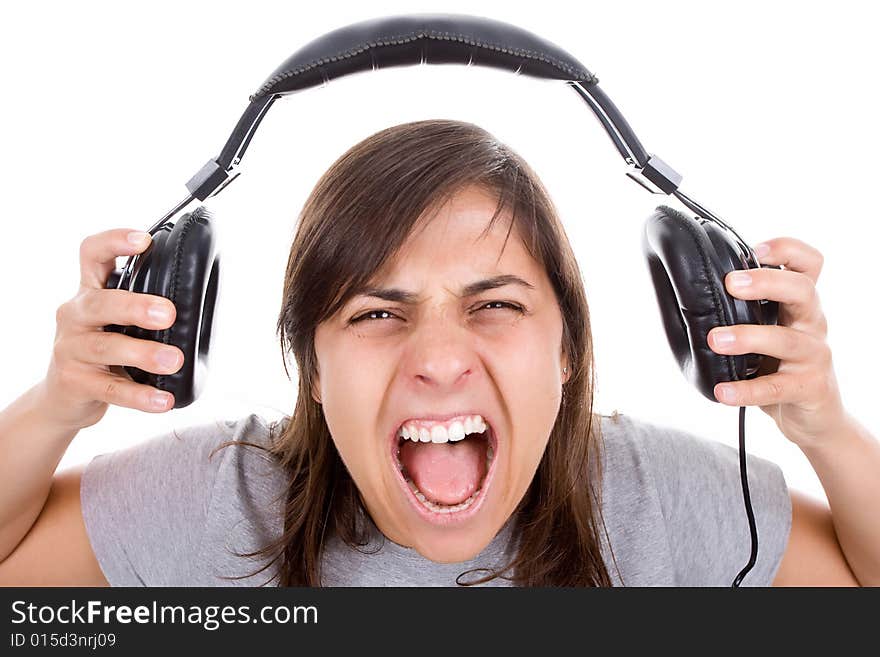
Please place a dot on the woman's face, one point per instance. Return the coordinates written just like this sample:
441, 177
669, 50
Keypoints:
445, 352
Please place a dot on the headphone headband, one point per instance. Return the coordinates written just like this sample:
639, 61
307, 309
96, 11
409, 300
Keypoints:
429, 39
418, 39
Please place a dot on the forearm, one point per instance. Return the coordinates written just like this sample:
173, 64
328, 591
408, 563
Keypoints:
849, 468
30, 449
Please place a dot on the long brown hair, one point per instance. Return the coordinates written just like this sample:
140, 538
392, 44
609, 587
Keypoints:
358, 215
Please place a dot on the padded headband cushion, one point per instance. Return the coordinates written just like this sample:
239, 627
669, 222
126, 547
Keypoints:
688, 279
422, 38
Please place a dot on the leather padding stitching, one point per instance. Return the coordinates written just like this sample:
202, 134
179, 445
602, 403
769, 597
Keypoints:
194, 217
722, 321
578, 74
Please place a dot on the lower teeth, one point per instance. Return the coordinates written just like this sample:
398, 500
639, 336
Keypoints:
441, 508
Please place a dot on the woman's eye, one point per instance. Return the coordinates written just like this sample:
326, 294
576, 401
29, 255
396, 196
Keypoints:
369, 316
499, 305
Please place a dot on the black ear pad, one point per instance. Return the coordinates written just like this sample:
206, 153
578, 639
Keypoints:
688, 259
182, 265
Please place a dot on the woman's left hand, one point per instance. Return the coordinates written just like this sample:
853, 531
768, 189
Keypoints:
802, 396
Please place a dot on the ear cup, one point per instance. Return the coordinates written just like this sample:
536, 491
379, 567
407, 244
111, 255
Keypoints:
182, 265
688, 259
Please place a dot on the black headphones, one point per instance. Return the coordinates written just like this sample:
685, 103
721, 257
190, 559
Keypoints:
688, 257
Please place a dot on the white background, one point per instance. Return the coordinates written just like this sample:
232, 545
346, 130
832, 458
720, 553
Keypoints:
767, 109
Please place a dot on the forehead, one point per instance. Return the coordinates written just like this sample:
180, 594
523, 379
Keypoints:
455, 239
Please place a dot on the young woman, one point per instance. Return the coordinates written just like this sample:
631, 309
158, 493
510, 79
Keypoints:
444, 429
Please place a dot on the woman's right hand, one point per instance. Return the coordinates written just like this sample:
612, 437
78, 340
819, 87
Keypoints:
85, 374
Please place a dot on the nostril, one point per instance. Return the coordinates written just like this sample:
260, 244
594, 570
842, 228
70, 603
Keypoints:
438, 378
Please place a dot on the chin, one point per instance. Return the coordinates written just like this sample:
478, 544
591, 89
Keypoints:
452, 546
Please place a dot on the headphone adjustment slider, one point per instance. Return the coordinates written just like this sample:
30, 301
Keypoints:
656, 176
209, 180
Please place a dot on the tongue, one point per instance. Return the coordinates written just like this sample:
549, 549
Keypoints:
446, 473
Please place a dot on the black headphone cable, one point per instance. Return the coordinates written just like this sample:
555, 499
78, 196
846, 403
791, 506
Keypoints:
746, 498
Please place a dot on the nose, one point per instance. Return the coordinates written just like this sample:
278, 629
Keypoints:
442, 358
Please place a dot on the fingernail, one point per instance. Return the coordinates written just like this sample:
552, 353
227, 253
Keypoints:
761, 249
159, 313
740, 279
723, 338
160, 400
136, 237
726, 393
167, 358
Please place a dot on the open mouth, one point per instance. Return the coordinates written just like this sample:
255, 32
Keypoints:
445, 468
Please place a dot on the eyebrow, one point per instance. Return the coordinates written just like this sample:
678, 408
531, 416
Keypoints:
471, 289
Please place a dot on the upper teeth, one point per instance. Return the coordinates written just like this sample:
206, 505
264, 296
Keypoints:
441, 432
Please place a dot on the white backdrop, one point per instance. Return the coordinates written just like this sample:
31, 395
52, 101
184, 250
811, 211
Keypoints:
768, 110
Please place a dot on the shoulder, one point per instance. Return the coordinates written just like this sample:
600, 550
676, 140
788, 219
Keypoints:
209, 444
683, 491
160, 511
676, 461
247, 441
645, 466
205, 438
245, 455
239, 455
187, 460
666, 451
625, 432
